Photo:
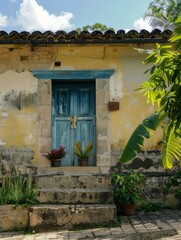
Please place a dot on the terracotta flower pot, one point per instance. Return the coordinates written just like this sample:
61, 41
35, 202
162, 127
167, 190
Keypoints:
83, 162
56, 163
127, 209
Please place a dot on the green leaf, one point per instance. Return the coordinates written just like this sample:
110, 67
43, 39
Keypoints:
140, 133
171, 147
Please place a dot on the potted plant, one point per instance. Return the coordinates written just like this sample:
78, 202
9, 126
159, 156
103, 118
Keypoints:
83, 154
55, 156
128, 190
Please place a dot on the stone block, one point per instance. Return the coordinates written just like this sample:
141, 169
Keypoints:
102, 146
44, 92
102, 112
100, 98
103, 161
102, 84
12, 218
71, 216
73, 196
45, 129
87, 181
44, 113
102, 127
44, 144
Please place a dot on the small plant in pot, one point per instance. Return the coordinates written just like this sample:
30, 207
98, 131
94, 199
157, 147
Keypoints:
128, 190
83, 154
55, 156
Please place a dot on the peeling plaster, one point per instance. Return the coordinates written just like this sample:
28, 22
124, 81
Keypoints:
17, 81
116, 86
4, 114
2, 143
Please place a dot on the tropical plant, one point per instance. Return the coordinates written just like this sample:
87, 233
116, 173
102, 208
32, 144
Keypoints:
164, 89
150, 206
128, 187
163, 13
18, 188
173, 185
82, 153
55, 154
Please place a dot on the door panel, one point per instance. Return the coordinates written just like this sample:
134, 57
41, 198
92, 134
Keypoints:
73, 118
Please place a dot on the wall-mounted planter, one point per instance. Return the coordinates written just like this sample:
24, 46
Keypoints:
113, 106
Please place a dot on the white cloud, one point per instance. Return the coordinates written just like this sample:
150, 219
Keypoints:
142, 24
32, 16
3, 21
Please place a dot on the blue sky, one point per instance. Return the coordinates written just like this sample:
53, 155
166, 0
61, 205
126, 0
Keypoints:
31, 15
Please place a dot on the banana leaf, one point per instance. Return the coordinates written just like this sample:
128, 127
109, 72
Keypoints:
143, 131
171, 147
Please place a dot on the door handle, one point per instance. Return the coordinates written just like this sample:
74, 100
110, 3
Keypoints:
73, 122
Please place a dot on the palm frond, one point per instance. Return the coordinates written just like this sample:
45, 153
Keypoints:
171, 147
143, 131
78, 149
80, 152
88, 148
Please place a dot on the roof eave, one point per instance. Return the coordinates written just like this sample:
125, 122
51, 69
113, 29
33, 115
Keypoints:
113, 41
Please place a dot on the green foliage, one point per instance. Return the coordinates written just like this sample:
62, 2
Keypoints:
152, 206
94, 27
164, 89
165, 11
171, 147
128, 187
18, 189
143, 131
82, 153
173, 184
176, 34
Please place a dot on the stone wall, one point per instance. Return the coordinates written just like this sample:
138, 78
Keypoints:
12, 218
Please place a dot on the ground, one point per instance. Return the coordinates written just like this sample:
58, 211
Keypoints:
150, 226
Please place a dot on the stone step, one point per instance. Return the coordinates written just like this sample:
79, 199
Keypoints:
71, 169
73, 196
71, 216
85, 181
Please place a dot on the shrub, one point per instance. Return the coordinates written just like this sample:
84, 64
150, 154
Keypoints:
18, 188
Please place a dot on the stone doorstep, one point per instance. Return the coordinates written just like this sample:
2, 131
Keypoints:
73, 196
69, 170
88, 181
71, 216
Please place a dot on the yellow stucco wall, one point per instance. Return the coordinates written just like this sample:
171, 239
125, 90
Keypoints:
19, 93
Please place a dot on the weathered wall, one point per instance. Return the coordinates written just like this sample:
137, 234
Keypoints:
25, 102
12, 218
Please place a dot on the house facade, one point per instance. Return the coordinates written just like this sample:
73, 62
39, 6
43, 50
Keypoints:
59, 88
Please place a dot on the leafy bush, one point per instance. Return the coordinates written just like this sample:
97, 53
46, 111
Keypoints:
173, 184
18, 189
152, 206
128, 187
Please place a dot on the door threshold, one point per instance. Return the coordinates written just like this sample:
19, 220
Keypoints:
72, 170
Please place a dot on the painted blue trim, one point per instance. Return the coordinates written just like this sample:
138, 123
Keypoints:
73, 74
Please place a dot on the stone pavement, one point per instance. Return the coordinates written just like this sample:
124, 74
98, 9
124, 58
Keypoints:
160, 225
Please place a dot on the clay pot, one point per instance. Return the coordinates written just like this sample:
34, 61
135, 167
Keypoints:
127, 209
83, 162
56, 163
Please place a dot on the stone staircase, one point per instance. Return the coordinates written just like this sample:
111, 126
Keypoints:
73, 199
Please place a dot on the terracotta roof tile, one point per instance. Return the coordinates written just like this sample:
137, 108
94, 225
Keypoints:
94, 37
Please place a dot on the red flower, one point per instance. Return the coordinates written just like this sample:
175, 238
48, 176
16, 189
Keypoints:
56, 154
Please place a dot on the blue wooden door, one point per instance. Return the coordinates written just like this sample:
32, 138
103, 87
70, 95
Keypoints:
73, 118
